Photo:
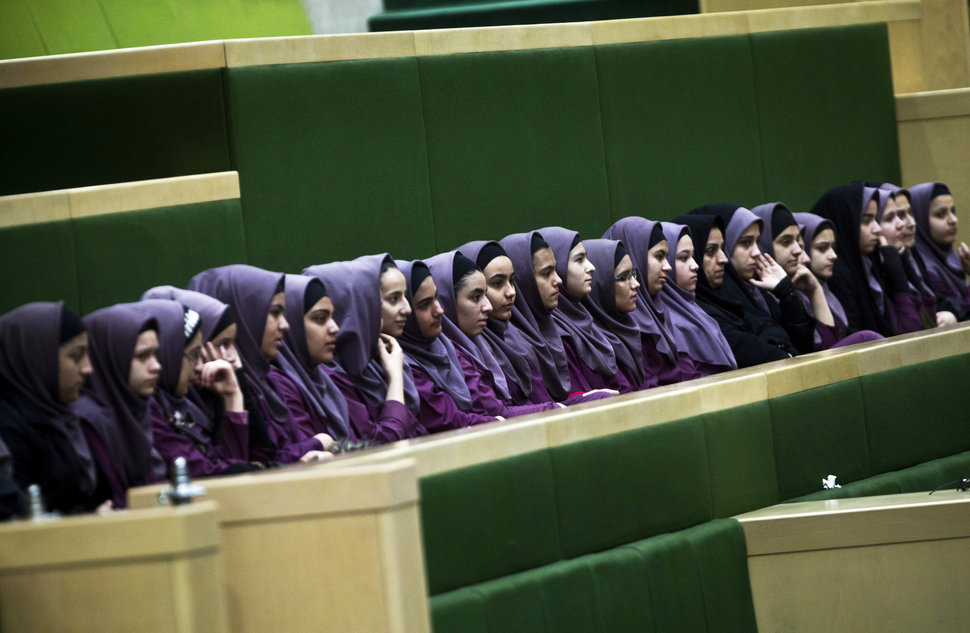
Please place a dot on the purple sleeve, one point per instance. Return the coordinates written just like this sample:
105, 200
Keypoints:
653, 363
829, 335
302, 415
687, 369
391, 423
483, 394
439, 412
905, 312
235, 434
171, 443
291, 453
106, 465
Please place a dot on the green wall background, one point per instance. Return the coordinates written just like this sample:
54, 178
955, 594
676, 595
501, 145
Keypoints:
51, 27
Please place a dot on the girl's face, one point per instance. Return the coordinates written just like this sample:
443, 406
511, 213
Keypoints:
547, 280
893, 224
788, 251
869, 229
943, 221
191, 364
685, 268
225, 342
276, 327
145, 368
625, 285
657, 267
500, 287
579, 273
395, 308
73, 365
909, 222
427, 310
745, 255
714, 258
321, 331
472, 304
823, 254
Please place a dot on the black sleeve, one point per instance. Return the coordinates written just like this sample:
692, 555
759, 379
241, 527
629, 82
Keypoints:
893, 273
749, 348
796, 320
842, 289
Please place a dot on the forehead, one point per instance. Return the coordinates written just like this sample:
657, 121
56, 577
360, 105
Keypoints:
659, 246
791, 231
501, 265
474, 278
542, 258
945, 200
715, 236
685, 243
754, 229
392, 279
825, 235
579, 248
229, 332
148, 338
323, 303
77, 341
279, 297
426, 289
626, 262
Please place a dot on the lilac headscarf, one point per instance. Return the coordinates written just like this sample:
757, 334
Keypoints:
650, 315
739, 222
620, 328
355, 289
815, 224
532, 319
436, 357
294, 360
118, 414
588, 338
696, 333
249, 291
209, 308
766, 213
504, 341
944, 264
917, 283
442, 270
170, 317
29, 342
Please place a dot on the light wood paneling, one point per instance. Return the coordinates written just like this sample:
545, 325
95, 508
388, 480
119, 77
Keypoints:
318, 48
159, 568
893, 563
32, 208
117, 63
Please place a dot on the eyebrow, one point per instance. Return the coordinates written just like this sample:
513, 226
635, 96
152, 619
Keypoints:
550, 267
498, 277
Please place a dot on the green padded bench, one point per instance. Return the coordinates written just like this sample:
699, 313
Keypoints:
101, 245
407, 15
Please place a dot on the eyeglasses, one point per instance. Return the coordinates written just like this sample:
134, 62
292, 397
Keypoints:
193, 357
627, 276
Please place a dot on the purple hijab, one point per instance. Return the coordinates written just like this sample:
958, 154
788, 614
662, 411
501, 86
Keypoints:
29, 342
813, 225
355, 289
210, 309
881, 196
170, 315
650, 315
442, 270
740, 221
696, 333
943, 264
769, 223
294, 360
435, 357
533, 321
249, 291
621, 328
107, 402
588, 339
507, 346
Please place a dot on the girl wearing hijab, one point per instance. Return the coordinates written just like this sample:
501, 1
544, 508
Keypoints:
518, 379
447, 402
650, 253
695, 332
461, 289
899, 228
368, 366
589, 349
311, 396
258, 299
819, 236
868, 278
753, 335
945, 267
43, 365
179, 426
114, 401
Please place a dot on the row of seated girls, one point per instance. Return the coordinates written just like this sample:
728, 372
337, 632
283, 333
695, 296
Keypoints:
246, 369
